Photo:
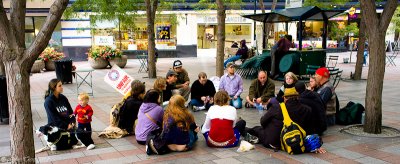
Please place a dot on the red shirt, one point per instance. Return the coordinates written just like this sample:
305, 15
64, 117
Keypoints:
80, 113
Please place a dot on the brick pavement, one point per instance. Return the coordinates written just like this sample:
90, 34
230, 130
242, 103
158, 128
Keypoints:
341, 148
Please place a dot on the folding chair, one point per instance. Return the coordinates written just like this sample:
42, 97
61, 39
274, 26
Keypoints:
336, 76
143, 63
391, 57
332, 61
310, 70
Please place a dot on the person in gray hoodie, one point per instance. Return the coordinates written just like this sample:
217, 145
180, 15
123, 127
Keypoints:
149, 117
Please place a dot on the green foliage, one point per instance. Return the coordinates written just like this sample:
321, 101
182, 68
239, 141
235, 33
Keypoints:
325, 4
210, 4
396, 20
340, 34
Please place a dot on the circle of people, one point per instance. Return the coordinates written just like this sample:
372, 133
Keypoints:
163, 109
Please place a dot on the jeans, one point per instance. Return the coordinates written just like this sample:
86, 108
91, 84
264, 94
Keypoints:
231, 59
236, 103
195, 102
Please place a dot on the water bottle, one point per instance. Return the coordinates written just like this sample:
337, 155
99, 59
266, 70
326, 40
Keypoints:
259, 107
363, 118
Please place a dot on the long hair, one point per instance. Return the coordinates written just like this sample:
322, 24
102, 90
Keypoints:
178, 113
159, 84
51, 87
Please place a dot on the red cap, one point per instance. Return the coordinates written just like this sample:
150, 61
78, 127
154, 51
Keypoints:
324, 72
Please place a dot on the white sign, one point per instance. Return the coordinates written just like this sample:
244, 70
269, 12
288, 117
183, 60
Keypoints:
104, 40
293, 3
119, 80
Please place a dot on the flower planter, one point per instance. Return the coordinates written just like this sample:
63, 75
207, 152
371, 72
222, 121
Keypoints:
37, 66
119, 61
98, 63
49, 65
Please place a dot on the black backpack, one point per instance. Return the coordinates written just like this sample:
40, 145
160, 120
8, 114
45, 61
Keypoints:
350, 114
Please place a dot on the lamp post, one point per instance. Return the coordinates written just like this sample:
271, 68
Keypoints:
255, 8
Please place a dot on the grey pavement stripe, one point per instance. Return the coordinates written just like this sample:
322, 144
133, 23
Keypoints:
367, 160
227, 160
99, 151
122, 160
61, 157
395, 149
306, 158
347, 154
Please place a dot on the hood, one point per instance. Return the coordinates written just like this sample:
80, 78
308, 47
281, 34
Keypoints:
146, 107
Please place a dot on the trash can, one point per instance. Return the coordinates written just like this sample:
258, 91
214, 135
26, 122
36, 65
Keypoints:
290, 63
3, 100
64, 70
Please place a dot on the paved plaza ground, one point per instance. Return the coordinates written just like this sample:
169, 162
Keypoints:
342, 148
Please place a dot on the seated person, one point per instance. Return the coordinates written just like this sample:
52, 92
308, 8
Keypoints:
313, 85
313, 100
202, 93
327, 93
260, 91
272, 122
180, 130
183, 81
160, 85
218, 128
232, 83
171, 78
234, 45
240, 54
290, 81
149, 117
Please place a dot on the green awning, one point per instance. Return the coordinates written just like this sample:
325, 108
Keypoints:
295, 14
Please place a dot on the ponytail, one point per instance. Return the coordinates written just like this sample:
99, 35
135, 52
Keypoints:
51, 87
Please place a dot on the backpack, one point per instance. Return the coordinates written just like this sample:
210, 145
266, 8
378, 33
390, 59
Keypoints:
292, 135
350, 114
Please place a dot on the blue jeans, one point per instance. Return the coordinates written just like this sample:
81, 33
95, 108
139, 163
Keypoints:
86, 127
236, 103
195, 102
192, 139
231, 59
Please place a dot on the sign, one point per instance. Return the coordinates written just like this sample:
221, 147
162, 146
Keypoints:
212, 19
163, 32
119, 80
352, 13
104, 40
293, 3
209, 33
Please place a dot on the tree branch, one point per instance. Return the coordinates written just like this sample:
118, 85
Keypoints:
372, 18
43, 37
387, 14
17, 21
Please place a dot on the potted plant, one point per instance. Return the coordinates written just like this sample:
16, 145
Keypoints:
118, 59
100, 56
49, 55
38, 65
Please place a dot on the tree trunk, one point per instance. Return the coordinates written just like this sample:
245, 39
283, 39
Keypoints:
396, 35
19, 103
221, 38
360, 51
151, 8
268, 26
376, 27
2, 71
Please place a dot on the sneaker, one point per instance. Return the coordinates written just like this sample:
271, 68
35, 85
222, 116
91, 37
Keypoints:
53, 147
151, 145
250, 138
196, 108
90, 147
202, 107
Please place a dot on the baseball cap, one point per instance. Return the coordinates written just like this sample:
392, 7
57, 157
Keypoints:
171, 72
177, 63
230, 64
290, 92
323, 71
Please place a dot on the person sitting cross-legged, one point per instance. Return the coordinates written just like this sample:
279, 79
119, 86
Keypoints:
202, 92
261, 91
232, 83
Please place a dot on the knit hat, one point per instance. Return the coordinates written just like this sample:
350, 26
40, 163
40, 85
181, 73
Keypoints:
290, 92
177, 63
323, 71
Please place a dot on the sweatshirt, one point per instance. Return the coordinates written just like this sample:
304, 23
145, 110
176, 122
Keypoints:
145, 125
80, 112
58, 111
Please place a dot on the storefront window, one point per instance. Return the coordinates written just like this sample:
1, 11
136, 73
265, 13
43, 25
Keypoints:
233, 33
32, 28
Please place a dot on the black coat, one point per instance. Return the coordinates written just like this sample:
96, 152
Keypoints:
58, 111
314, 101
128, 113
272, 122
198, 90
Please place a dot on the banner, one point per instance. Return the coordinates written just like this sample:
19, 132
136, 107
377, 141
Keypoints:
163, 32
119, 80
293, 3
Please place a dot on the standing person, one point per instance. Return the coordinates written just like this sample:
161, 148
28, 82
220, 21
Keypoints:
160, 85
261, 90
232, 83
171, 78
278, 51
290, 82
149, 117
128, 114
219, 128
202, 93
327, 93
58, 109
180, 130
84, 113
240, 54
183, 81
